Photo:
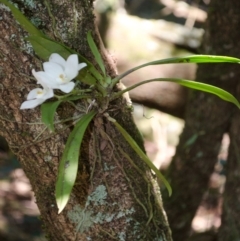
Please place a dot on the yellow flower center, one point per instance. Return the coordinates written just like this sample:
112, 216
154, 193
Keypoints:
63, 78
39, 92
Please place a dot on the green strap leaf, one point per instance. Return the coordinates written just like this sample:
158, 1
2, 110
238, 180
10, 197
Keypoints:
23, 21
44, 47
68, 166
87, 78
95, 52
208, 88
142, 155
190, 84
198, 59
75, 97
48, 111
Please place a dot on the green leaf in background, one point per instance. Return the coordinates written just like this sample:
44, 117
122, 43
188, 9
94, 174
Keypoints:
23, 21
95, 52
191, 140
48, 111
190, 84
68, 166
198, 59
142, 155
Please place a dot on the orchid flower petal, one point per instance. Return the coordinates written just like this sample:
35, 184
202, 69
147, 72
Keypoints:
81, 66
30, 104
56, 58
48, 93
66, 88
34, 93
53, 69
37, 76
58, 74
45, 79
42, 77
39, 93
71, 68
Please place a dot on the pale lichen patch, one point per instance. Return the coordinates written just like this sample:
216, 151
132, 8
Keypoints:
85, 217
98, 196
4, 7
36, 21
47, 158
81, 217
29, 3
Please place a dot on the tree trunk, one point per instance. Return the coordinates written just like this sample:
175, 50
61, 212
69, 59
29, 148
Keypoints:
230, 227
207, 119
115, 196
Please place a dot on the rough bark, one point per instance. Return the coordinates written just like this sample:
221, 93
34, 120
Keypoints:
207, 119
115, 196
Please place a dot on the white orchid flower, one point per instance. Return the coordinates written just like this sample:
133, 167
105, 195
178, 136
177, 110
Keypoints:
37, 97
59, 73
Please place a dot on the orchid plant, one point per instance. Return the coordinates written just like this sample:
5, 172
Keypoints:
59, 74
